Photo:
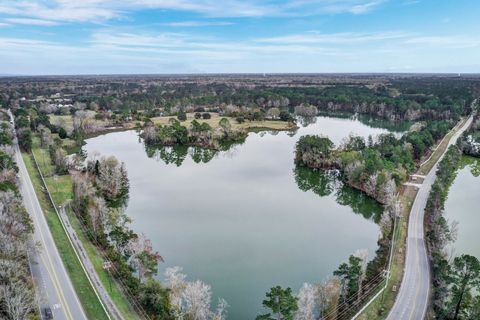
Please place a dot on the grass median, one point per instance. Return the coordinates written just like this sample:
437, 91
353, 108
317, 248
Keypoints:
61, 190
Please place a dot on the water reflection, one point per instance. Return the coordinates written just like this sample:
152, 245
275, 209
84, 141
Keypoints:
371, 121
462, 207
178, 153
393, 126
168, 154
322, 183
472, 163
325, 183
306, 121
243, 218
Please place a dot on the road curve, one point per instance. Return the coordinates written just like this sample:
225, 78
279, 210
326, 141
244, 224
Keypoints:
54, 287
413, 297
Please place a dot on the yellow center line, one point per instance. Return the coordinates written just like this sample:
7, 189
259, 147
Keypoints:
55, 281
417, 271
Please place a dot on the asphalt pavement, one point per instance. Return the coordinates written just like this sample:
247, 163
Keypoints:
413, 296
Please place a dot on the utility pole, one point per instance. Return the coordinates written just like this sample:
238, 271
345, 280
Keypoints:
107, 265
396, 214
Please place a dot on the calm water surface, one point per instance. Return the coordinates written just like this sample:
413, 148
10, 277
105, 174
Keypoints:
245, 219
462, 207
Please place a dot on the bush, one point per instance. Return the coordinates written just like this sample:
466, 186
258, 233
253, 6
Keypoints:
25, 139
182, 116
240, 119
62, 133
206, 115
286, 116
197, 115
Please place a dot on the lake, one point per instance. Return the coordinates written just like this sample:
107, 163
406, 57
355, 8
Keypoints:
245, 219
462, 207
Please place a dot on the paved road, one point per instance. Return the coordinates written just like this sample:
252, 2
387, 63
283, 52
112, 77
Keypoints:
103, 292
54, 286
413, 297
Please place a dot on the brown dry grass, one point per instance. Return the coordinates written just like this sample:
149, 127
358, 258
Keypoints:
214, 120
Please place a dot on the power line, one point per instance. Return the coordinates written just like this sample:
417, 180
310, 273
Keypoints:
124, 286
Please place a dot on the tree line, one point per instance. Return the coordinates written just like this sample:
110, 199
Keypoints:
456, 283
17, 294
196, 134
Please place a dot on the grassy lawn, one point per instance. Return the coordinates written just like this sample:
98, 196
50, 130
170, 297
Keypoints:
114, 289
65, 121
380, 307
60, 188
247, 125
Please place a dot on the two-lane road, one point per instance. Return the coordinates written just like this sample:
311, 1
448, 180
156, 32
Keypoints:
52, 281
413, 297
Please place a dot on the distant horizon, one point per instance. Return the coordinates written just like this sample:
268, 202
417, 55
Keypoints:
243, 74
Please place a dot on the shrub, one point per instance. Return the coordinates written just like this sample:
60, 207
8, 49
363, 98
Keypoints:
62, 133
182, 116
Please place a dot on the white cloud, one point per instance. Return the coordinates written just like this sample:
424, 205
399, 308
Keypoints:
311, 7
60, 10
123, 50
102, 10
33, 22
314, 37
197, 23
446, 42
364, 7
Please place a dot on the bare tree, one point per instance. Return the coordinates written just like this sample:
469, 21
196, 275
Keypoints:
112, 178
175, 280
197, 296
143, 258
328, 294
17, 300
363, 255
16, 294
150, 133
191, 300
221, 312
306, 302
273, 113
306, 110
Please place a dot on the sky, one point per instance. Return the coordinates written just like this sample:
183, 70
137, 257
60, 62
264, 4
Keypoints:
51, 37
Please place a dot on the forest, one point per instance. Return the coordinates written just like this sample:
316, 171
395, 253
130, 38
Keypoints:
377, 166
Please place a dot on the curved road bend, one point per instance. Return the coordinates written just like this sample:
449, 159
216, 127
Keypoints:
413, 297
53, 284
